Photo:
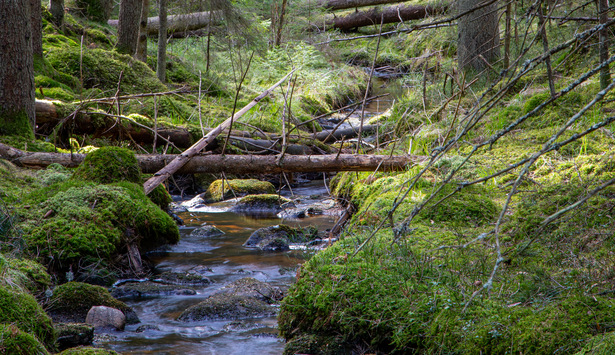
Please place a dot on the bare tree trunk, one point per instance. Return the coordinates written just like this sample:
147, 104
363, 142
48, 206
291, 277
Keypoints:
16, 70
161, 63
56, 8
37, 29
141, 53
605, 74
128, 26
278, 36
507, 35
389, 14
545, 45
349, 4
479, 37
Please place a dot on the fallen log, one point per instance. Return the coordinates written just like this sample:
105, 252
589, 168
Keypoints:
329, 136
186, 156
99, 124
390, 14
231, 164
181, 23
333, 5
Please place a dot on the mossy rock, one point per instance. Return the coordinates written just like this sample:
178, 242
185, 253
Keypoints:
74, 334
228, 307
236, 188
264, 203
87, 350
109, 164
88, 224
27, 274
101, 69
314, 344
279, 237
71, 302
22, 310
160, 197
15, 341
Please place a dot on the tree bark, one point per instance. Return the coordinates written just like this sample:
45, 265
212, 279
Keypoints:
16, 70
232, 164
333, 5
178, 23
128, 26
161, 61
186, 156
605, 74
37, 27
479, 38
346, 133
141, 53
390, 14
56, 8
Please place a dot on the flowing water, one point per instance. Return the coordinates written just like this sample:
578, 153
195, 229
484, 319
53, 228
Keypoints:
223, 259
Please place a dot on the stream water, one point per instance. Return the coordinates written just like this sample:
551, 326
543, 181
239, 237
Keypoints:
222, 259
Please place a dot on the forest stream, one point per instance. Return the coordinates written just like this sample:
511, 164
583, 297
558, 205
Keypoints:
223, 259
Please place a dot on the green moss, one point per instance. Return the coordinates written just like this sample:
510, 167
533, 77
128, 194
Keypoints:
53, 174
55, 93
15, 341
86, 350
21, 310
237, 188
74, 300
88, 223
15, 124
602, 344
109, 164
27, 274
160, 197
102, 68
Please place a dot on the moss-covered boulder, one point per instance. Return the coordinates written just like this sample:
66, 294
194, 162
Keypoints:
101, 69
86, 350
261, 204
279, 237
73, 334
160, 197
80, 222
15, 341
28, 275
109, 164
223, 189
22, 310
71, 302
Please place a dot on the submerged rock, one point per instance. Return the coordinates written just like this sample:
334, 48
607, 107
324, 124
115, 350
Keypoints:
279, 237
207, 232
148, 289
251, 287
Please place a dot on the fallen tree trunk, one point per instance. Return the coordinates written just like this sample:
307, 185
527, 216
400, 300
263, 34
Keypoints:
103, 125
232, 164
181, 160
390, 14
346, 133
349, 4
181, 23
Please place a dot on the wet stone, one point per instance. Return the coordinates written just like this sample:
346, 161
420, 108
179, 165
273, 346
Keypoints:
184, 279
278, 238
73, 334
207, 232
146, 327
148, 289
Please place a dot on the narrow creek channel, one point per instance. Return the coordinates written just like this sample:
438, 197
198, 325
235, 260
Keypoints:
222, 259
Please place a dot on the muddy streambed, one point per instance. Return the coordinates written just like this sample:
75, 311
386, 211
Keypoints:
223, 260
